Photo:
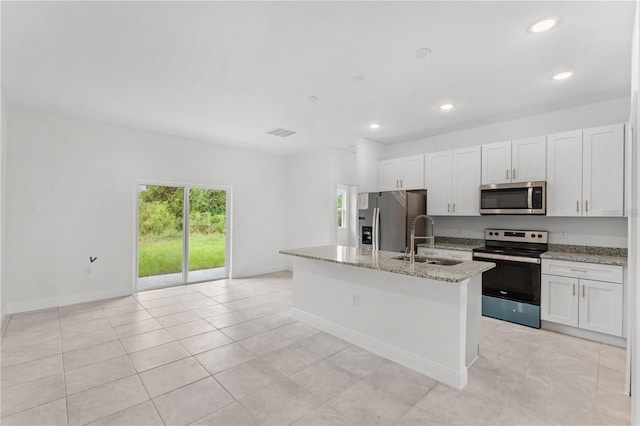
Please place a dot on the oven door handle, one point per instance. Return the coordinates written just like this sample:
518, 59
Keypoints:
519, 259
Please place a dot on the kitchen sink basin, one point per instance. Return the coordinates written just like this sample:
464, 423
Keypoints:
430, 260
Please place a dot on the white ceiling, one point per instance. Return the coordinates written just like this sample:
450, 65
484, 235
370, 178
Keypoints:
229, 72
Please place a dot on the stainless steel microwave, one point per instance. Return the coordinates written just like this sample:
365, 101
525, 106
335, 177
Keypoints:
514, 198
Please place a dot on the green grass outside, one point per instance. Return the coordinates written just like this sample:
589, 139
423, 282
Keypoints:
158, 255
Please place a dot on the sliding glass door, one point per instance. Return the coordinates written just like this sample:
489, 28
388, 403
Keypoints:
182, 235
207, 234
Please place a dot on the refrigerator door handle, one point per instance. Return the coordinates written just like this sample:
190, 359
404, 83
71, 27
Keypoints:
374, 229
377, 229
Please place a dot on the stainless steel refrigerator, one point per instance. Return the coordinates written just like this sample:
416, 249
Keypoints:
384, 219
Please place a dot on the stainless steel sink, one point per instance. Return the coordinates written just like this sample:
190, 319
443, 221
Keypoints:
430, 260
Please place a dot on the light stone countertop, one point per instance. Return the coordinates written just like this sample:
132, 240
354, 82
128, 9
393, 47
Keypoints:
383, 261
453, 243
587, 254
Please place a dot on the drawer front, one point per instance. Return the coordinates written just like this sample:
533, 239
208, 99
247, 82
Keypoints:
426, 251
590, 271
457, 254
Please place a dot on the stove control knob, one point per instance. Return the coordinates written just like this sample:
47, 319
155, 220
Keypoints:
490, 233
533, 235
539, 235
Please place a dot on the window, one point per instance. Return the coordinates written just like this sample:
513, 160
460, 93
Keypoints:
342, 208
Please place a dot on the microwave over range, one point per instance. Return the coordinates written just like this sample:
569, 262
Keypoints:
514, 198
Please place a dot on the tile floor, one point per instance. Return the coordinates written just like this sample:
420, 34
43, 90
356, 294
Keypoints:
227, 353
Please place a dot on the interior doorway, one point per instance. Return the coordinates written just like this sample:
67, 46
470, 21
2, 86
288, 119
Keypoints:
346, 203
182, 235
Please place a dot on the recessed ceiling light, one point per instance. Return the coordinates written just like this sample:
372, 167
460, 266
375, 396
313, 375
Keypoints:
374, 126
544, 24
312, 99
562, 75
446, 107
421, 53
357, 78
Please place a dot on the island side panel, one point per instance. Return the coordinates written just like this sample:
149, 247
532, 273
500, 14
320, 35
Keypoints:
474, 318
417, 322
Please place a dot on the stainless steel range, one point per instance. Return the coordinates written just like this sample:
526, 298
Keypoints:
511, 291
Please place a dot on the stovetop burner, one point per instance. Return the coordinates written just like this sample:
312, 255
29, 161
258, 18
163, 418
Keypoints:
515, 242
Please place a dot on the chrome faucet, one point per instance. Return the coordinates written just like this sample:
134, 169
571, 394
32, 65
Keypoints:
413, 235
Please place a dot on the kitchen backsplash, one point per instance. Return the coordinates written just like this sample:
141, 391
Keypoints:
580, 231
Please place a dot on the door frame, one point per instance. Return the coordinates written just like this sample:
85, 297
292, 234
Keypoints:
228, 263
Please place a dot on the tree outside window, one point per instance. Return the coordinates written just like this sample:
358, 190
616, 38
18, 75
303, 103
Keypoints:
342, 208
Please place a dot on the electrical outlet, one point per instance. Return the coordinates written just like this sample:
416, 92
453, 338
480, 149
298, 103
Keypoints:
564, 234
356, 300
459, 229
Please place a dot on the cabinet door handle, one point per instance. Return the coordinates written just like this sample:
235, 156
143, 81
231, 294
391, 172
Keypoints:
397, 183
583, 286
507, 173
578, 206
584, 271
586, 206
401, 185
574, 289
448, 207
454, 207
513, 175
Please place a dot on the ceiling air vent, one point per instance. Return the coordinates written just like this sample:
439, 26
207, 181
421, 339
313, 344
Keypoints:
283, 133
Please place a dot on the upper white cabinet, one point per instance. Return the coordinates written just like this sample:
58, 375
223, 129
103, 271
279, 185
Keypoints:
521, 160
401, 173
438, 178
585, 172
453, 180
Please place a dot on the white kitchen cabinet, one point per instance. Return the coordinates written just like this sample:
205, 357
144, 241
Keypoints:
603, 171
439, 168
496, 162
601, 307
585, 172
453, 181
520, 160
576, 300
457, 254
529, 159
558, 301
447, 254
401, 173
465, 183
428, 251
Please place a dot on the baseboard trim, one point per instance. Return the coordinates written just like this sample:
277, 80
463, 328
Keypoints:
249, 272
50, 302
445, 375
585, 334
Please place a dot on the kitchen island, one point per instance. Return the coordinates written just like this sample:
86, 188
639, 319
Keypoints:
423, 316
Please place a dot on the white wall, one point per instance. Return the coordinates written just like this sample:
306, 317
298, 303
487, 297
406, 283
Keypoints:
598, 114
368, 153
633, 356
312, 180
3, 203
72, 195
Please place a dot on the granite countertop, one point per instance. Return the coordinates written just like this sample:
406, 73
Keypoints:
452, 243
383, 261
587, 254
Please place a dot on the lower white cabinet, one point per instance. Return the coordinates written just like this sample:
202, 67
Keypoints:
457, 254
426, 251
581, 302
448, 254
